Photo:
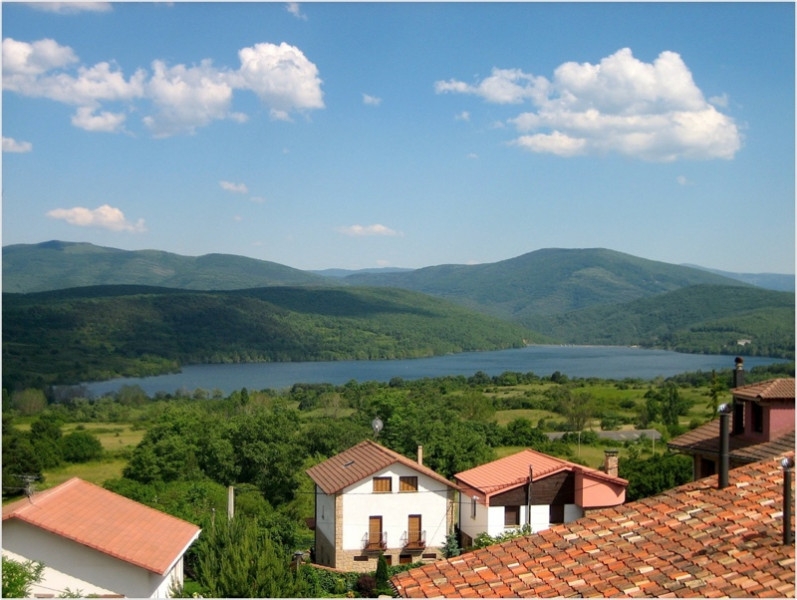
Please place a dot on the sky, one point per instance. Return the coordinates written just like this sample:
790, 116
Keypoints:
362, 135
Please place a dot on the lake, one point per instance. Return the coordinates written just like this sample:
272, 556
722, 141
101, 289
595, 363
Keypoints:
607, 362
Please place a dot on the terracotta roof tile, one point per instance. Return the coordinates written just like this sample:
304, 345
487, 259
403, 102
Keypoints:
705, 440
513, 470
693, 541
107, 522
361, 461
773, 389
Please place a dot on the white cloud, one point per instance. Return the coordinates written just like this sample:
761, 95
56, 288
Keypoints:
371, 100
653, 111
238, 188
368, 230
281, 76
105, 217
296, 11
71, 7
183, 97
14, 146
106, 121
463, 116
682, 180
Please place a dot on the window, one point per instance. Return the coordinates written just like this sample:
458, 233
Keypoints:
758, 417
408, 484
738, 417
473, 507
383, 485
511, 516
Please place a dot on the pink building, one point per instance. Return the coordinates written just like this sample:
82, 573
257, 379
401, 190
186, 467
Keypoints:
534, 489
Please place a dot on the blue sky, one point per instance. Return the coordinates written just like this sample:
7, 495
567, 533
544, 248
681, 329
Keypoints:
360, 135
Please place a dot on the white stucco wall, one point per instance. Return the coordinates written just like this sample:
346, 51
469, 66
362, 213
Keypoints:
491, 519
430, 501
325, 514
77, 567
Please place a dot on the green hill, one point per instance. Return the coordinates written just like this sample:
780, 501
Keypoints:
704, 318
59, 265
86, 334
547, 282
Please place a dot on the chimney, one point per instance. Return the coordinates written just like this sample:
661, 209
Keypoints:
420, 455
230, 502
725, 442
738, 372
610, 462
788, 467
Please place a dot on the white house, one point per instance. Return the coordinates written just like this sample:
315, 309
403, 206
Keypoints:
534, 489
371, 500
95, 542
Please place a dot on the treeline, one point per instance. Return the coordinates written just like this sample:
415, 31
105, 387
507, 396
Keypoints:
91, 334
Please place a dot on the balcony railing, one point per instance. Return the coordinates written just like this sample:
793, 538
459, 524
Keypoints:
373, 543
413, 540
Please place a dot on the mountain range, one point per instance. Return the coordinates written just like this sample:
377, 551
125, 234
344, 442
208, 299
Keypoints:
573, 296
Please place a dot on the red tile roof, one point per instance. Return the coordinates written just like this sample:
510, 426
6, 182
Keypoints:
705, 440
693, 541
774, 389
513, 470
107, 522
359, 462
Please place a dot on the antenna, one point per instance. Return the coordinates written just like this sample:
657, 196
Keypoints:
377, 426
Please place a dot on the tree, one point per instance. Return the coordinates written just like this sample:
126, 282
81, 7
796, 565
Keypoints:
19, 576
452, 548
654, 475
238, 559
381, 575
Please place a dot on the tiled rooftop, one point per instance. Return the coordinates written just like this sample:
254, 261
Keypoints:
773, 389
361, 461
693, 541
107, 522
512, 470
705, 440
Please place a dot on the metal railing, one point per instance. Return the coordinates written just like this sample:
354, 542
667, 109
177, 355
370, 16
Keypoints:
414, 540
371, 544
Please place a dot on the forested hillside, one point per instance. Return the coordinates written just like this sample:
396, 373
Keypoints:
705, 318
60, 265
97, 333
547, 282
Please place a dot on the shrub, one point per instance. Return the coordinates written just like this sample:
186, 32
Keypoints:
80, 446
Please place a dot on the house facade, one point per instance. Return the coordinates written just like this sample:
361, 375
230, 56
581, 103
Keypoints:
95, 542
533, 489
371, 500
761, 426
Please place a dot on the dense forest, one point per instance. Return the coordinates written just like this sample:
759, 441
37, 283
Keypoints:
190, 447
95, 333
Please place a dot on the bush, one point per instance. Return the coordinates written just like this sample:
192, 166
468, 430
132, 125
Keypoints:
80, 446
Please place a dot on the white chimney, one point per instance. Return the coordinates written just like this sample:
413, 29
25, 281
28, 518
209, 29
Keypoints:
420, 455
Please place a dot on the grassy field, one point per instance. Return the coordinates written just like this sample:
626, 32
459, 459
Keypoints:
96, 471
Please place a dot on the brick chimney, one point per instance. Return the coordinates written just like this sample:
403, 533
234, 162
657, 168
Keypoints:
610, 462
420, 455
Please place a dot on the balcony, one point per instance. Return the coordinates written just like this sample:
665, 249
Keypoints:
413, 541
375, 543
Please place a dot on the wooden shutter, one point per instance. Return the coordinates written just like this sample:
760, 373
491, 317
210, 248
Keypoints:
383, 484
511, 516
374, 532
408, 484
414, 529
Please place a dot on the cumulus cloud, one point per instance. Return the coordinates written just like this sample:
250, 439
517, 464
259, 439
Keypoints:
14, 146
105, 217
653, 111
175, 99
238, 188
368, 230
371, 100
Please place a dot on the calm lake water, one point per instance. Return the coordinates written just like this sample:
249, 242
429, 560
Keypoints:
609, 362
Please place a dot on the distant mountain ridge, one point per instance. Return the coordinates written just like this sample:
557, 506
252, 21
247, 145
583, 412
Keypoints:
769, 281
59, 265
549, 281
